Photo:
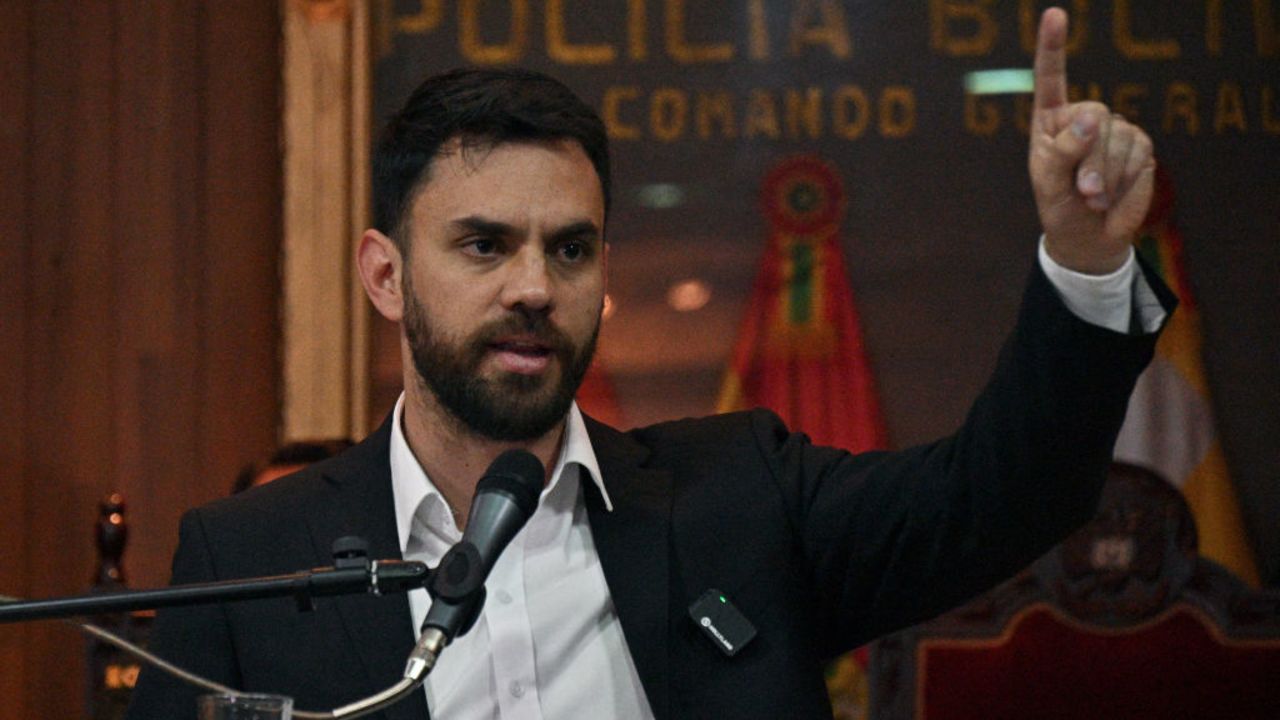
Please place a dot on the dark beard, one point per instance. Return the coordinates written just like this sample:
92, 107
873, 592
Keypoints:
511, 407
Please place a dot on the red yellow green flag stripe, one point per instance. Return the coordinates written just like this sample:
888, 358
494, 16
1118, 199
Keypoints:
1170, 426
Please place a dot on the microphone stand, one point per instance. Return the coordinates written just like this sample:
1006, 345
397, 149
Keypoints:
352, 574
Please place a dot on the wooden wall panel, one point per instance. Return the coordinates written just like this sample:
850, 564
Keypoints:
140, 210
15, 26
69, 441
241, 231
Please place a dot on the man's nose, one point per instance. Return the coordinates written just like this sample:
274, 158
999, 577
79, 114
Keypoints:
528, 283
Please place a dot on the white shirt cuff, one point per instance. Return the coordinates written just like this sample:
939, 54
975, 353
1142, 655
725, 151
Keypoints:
1106, 300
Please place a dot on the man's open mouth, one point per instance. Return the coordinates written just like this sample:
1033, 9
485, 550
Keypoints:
521, 355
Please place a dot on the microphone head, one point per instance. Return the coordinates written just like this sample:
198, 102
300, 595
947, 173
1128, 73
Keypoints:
504, 500
517, 474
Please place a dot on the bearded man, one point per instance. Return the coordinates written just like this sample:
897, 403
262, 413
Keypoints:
491, 192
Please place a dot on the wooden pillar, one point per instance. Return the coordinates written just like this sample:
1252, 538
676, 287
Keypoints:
326, 123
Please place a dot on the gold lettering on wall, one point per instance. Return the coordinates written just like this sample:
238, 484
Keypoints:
1136, 48
1266, 34
428, 17
1270, 113
712, 108
1180, 106
678, 46
757, 31
1228, 112
1077, 29
981, 117
672, 113
1124, 100
561, 49
1265, 30
611, 112
762, 116
850, 112
1213, 26
1090, 91
1178, 103
475, 50
637, 34
803, 112
962, 28
897, 111
830, 30
668, 108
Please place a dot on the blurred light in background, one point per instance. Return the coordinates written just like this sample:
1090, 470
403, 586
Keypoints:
688, 295
609, 307
1000, 82
660, 196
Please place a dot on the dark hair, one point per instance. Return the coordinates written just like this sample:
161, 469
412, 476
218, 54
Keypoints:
303, 452
483, 108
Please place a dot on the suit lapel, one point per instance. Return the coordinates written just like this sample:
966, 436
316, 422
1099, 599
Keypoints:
379, 629
633, 543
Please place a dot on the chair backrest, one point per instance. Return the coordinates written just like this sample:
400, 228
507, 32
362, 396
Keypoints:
1123, 619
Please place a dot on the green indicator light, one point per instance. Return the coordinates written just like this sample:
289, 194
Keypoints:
723, 600
1000, 82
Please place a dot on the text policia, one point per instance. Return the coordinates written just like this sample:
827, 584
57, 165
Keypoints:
1187, 99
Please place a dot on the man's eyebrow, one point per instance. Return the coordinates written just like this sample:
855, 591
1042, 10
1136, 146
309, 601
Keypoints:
483, 226
579, 229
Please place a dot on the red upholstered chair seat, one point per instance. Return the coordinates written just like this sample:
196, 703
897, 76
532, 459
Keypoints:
1050, 666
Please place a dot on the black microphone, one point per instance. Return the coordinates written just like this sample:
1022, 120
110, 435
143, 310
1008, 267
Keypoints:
505, 498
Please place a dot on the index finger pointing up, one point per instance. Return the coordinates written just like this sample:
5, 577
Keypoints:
1051, 60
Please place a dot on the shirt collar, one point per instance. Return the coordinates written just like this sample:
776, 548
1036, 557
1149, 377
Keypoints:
411, 487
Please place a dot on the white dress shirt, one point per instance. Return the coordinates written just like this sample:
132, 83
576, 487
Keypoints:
548, 642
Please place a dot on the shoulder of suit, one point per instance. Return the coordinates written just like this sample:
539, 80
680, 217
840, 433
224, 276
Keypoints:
722, 431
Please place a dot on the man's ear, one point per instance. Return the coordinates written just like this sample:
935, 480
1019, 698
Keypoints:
379, 262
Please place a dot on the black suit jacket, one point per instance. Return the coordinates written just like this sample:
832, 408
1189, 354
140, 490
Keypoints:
821, 550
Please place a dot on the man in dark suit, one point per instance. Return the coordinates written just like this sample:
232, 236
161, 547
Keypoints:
491, 191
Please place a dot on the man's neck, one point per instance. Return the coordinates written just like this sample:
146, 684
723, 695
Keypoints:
454, 457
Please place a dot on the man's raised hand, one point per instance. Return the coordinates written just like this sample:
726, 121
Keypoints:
1091, 170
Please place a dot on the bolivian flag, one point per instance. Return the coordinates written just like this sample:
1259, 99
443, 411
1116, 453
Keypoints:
1170, 426
799, 351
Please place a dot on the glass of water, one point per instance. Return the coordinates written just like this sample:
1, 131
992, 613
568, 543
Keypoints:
247, 706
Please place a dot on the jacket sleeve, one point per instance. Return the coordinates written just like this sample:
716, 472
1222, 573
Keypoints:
893, 538
194, 638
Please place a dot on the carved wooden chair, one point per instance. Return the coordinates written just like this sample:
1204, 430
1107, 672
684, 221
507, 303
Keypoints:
1122, 620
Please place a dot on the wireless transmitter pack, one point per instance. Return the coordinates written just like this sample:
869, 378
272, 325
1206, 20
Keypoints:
720, 621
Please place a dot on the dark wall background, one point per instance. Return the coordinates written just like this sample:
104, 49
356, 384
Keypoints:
139, 233
940, 227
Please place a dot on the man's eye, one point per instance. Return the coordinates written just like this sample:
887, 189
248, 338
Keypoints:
482, 246
573, 250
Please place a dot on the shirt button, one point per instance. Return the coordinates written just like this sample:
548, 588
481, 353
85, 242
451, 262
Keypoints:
504, 597
517, 689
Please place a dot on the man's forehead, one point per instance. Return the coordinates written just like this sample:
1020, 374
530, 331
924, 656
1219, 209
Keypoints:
514, 169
